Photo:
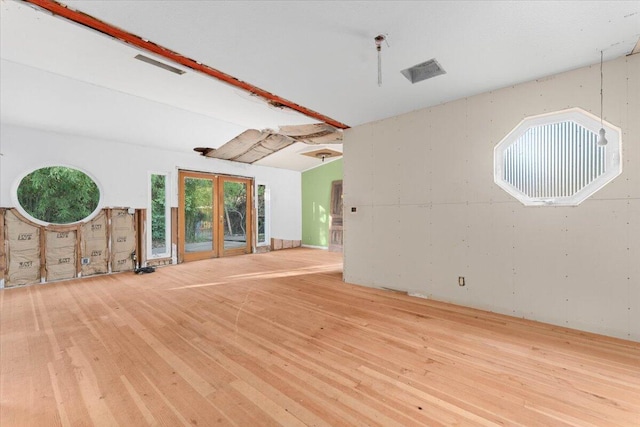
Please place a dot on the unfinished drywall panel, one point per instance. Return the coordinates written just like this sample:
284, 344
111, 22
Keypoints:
540, 247
571, 266
491, 288
386, 157
477, 148
60, 254
587, 290
358, 193
361, 170
413, 255
359, 267
448, 157
23, 251
448, 251
633, 277
413, 173
386, 241
123, 240
94, 246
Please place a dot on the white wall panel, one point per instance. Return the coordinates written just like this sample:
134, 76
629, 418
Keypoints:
122, 171
571, 266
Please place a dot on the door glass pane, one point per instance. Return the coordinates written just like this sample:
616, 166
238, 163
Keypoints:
235, 215
198, 214
261, 214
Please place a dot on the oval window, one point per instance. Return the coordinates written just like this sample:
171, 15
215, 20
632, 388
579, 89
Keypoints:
58, 195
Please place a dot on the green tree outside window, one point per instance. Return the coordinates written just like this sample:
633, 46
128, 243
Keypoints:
58, 195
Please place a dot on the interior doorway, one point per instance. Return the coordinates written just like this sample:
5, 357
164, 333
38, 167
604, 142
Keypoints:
335, 218
215, 215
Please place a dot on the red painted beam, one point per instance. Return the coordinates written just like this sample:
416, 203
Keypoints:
98, 25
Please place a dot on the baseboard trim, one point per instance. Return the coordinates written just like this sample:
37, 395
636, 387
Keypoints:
324, 248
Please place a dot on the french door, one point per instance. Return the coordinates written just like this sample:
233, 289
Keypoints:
215, 215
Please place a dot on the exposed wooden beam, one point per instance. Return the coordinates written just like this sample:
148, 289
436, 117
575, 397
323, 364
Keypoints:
127, 37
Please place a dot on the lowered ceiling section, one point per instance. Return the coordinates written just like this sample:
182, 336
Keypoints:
314, 134
253, 145
249, 147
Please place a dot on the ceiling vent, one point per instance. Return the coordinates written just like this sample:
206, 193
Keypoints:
159, 64
423, 71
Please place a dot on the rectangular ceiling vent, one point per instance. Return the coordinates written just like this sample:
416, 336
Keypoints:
423, 71
159, 64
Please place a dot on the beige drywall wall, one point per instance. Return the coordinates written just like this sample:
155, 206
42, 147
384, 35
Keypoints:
428, 210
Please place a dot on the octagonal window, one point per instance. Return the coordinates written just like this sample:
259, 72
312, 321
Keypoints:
555, 159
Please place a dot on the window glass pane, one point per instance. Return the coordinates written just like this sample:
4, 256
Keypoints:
235, 214
557, 159
158, 215
198, 215
261, 214
58, 195
554, 160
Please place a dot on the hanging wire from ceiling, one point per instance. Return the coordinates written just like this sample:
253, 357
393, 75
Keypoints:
378, 41
602, 140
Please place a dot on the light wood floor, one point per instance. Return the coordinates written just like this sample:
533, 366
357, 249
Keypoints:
278, 339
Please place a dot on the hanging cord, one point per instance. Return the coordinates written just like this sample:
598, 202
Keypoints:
378, 40
379, 67
601, 92
602, 139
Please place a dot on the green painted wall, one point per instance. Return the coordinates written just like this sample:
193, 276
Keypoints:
316, 197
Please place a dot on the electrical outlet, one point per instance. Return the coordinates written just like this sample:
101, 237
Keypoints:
461, 281
85, 261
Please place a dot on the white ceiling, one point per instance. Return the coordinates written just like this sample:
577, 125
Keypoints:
60, 76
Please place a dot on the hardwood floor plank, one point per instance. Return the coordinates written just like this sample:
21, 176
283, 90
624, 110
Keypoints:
279, 414
278, 339
60, 405
90, 391
139, 402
